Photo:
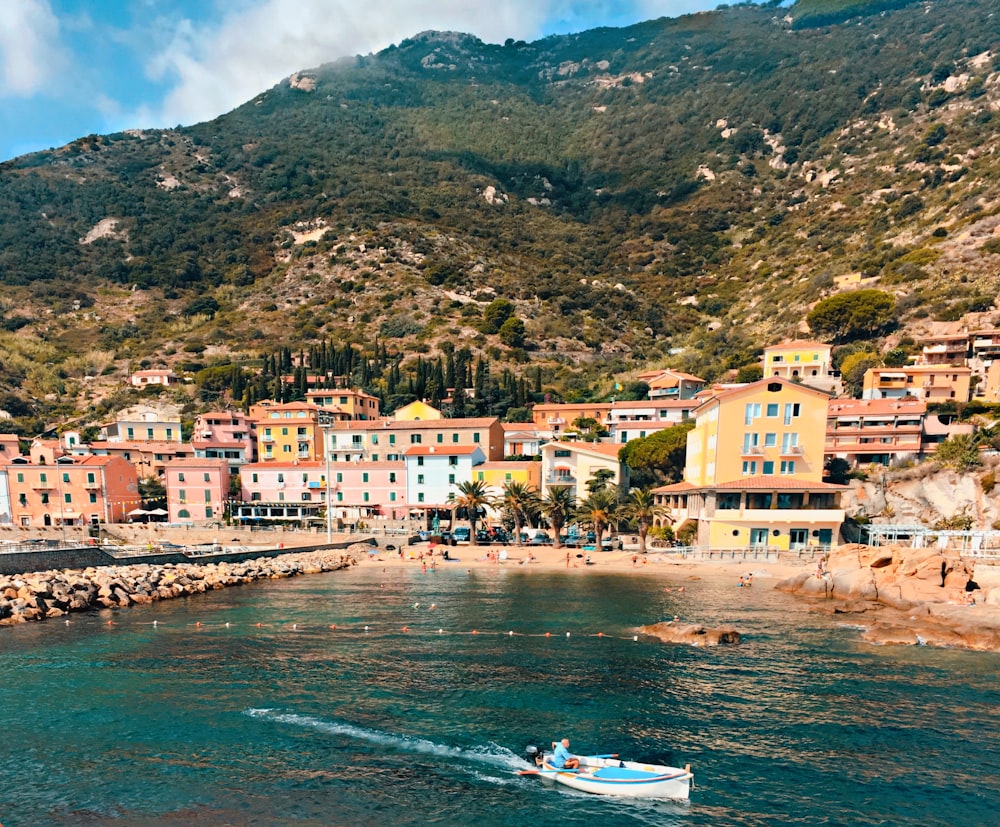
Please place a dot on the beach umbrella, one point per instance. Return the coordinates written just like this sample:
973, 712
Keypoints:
138, 512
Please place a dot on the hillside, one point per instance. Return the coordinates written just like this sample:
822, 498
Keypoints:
677, 192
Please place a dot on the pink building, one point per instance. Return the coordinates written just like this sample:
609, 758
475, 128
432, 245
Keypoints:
228, 435
197, 489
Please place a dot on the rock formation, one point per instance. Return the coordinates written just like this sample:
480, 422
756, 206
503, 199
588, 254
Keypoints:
690, 633
914, 596
45, 594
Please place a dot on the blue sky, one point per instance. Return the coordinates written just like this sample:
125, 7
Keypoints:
69, 68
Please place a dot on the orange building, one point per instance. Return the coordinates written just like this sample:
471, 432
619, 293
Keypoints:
71, 491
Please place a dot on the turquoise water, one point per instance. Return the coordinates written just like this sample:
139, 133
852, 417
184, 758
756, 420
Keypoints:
295, 723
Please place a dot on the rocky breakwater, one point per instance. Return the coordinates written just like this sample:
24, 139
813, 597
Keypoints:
908, 596
692, 634
46, 594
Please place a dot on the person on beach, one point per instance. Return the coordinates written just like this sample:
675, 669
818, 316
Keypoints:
561, 758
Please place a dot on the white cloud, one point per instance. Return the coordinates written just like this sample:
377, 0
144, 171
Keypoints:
31, 56
221, 67
211, 69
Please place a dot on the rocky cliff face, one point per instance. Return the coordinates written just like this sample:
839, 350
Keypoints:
922, 496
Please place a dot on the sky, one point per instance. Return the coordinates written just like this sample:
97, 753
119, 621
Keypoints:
70, 68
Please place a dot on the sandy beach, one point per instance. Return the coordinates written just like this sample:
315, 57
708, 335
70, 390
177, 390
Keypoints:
574, 561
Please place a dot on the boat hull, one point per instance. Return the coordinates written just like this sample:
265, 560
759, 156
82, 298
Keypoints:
626, 779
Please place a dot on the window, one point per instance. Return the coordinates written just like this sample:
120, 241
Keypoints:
440, 437
286, 449
420, 479
182, 495
788, 466
415, 439
770, 440
772, 410
364, 496
130, 433
420, 460
65, 477
392, 476
728, 501
149, 433
255, 479
45, 498
392, 439
392, 496
750, 441
43, 478
281, 477
749, 467
67, 498
792, 409
453, 460
184, 514
374, 457
180, 477
208, 495
20, 476
451, 479
454, 437
170, 433
364, 476
420, 497
475, 438
306, 495
507, 477
768, 466
284, 431
751, 412
93, 497
340, 477
374, 439
208, 513
340, 496
562, 453
789, 441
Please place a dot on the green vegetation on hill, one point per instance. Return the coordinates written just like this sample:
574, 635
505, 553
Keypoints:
677, 192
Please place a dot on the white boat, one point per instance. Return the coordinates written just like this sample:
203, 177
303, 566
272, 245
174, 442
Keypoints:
609, 775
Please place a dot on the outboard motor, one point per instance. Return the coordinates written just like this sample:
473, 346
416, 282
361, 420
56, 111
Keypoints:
533, 754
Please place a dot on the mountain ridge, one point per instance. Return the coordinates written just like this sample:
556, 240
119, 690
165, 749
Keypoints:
680, 191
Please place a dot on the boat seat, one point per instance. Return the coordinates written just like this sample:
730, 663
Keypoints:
622, 774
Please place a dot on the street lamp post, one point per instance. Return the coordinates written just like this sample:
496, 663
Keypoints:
324, 421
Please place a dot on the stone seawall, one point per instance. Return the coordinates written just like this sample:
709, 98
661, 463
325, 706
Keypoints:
55, 593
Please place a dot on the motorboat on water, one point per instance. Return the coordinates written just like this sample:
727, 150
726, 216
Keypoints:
610, 775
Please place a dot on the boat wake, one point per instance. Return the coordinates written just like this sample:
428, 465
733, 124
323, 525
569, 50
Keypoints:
492, 755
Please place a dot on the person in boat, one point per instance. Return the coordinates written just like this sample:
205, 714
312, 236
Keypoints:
561, 758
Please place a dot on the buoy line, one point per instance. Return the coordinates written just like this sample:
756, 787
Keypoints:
368, 629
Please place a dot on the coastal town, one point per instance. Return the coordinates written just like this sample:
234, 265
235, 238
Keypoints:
755, 475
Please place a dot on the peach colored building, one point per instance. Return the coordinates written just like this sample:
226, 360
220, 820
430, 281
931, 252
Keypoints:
934, 383
145, 378
149, 458
880, 431
345, 404
197, 489
144, 423
70, 490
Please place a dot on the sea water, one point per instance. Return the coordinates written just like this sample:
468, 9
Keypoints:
400, 697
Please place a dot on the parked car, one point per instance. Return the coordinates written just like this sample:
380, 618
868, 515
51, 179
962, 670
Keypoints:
424, 536
540, 539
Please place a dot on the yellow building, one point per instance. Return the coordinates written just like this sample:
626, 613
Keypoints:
417, 412
754, 470
287, 432
798, 359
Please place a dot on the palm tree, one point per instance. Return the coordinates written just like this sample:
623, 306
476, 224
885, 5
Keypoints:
521, 500
598, 509
558, 506
472, 495
641, 509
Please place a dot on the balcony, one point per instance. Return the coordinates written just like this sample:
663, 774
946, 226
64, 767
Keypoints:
267, 439
42, 485
792, 451
560, 479
754, 451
